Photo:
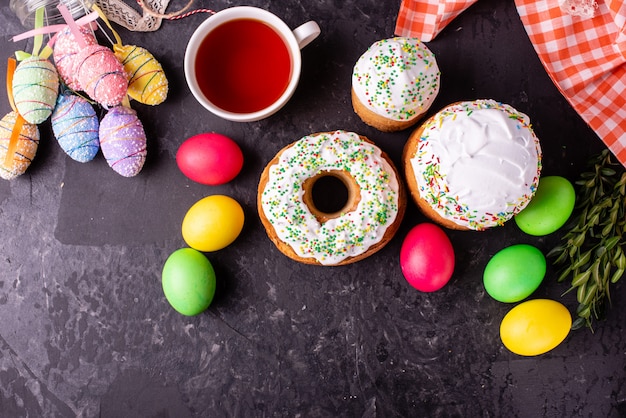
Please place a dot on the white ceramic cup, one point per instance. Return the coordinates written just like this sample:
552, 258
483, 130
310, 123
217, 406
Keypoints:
294, 40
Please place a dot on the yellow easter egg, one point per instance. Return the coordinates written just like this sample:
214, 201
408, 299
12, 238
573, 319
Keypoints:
147, 83
22, 152
212, 223
535, 327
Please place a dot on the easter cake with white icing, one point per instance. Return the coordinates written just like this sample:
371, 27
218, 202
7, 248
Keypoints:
473, 165
371, 216
394, 83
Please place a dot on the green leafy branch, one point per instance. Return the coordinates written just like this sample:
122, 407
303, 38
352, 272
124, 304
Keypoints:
591, 252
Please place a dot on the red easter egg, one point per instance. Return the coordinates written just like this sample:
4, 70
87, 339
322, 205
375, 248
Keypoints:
210, 159
427, 257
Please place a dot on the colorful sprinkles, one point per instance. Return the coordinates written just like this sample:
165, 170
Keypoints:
353, 232
397, 78
505, 138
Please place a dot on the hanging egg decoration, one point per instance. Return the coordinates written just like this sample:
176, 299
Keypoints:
66, 47
147, 83
75, 126
123, 141
101, 75
16, 157
35, 89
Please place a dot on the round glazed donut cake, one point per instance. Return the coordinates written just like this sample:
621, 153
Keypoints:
368, 220
394, 83
473, 165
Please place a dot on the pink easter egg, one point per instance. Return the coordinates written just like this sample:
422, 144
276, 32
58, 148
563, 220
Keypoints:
101, 75
210, 158
427, 257
66, 47
123, 141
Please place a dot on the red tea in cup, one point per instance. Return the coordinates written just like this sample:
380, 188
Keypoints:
243, 66
243, 63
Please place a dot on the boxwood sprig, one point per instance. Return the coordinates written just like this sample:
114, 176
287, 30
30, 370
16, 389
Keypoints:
591, 253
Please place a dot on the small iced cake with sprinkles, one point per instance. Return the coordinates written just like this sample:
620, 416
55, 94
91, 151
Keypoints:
394, 83
303, 227
473, 165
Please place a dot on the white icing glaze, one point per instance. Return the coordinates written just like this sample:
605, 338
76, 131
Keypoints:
397, 78
350, 234
477, 163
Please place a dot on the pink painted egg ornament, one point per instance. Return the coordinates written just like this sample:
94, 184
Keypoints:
25, 148
101, 75
210, 158
76, 127
35, 89
427, 257
123, 141
66, 47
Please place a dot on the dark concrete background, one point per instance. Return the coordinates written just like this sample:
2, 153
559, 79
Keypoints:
86, 331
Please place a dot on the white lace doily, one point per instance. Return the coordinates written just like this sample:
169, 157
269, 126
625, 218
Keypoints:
120, 12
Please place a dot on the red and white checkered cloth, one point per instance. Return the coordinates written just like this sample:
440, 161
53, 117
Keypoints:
584, 56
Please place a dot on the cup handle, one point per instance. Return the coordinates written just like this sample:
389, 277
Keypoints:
306, 33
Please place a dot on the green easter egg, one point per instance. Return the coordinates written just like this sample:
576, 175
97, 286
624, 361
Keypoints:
35, 89
188, 281
549, 209
514, 273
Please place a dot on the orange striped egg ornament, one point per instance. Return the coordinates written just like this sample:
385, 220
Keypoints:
16, 156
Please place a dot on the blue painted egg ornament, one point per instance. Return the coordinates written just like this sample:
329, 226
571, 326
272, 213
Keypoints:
76, 127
